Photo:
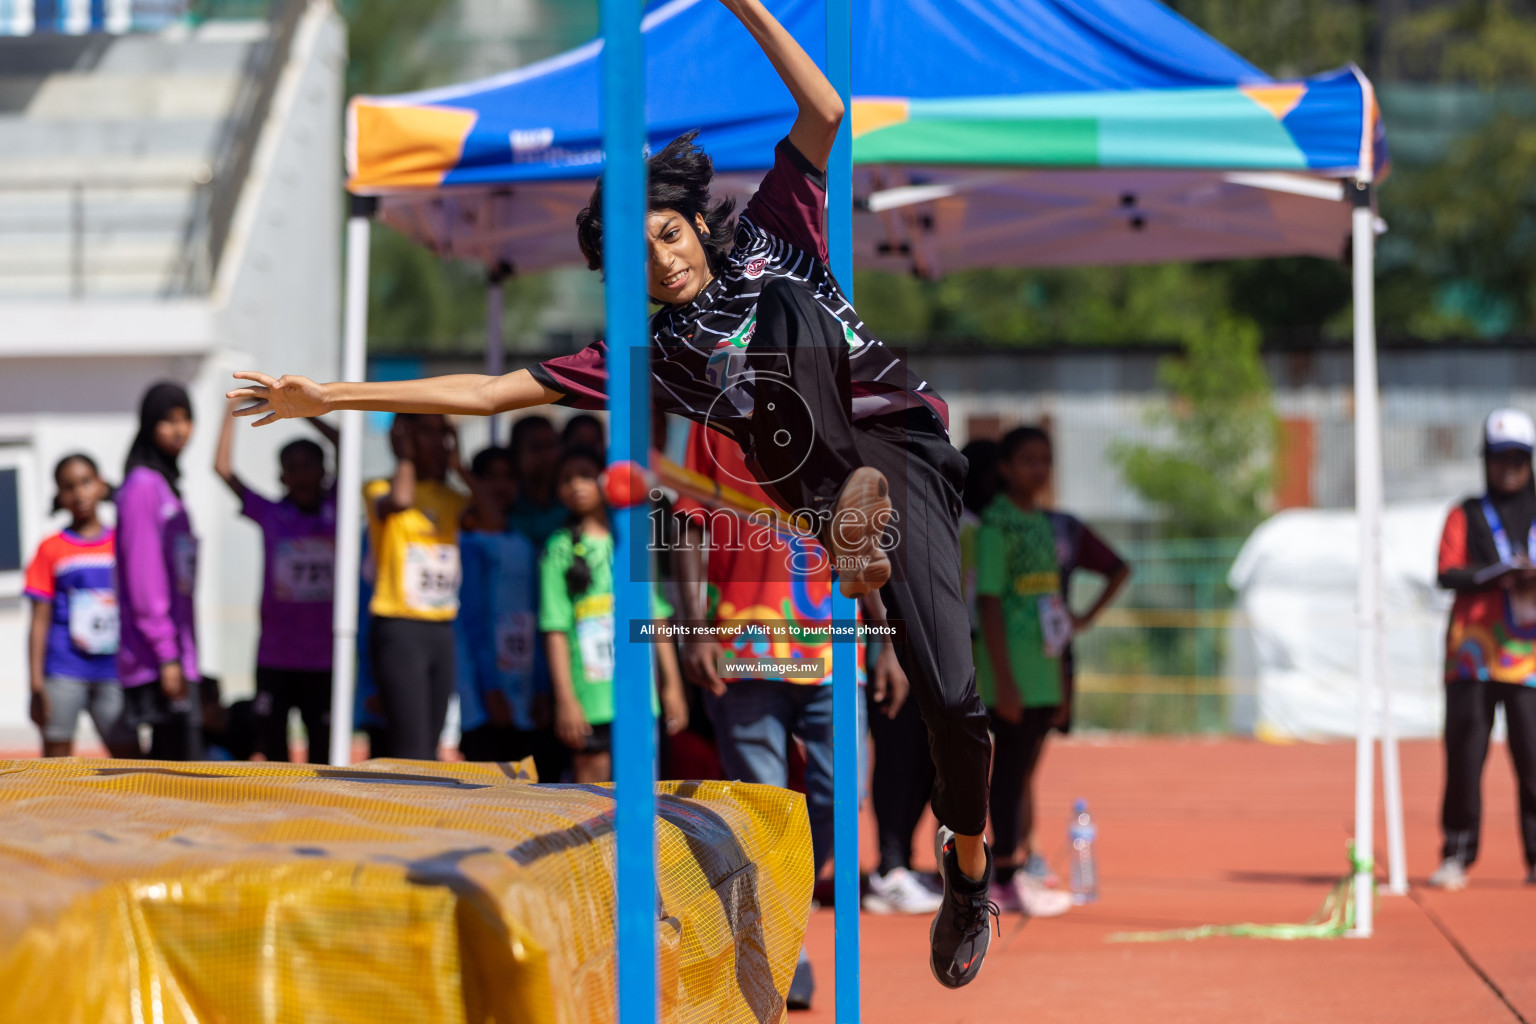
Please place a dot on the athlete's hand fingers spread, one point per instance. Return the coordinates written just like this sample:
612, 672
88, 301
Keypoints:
257, 376
262, 405
270, 417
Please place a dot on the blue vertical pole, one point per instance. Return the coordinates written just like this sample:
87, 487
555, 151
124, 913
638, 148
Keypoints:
634, 732
845, 685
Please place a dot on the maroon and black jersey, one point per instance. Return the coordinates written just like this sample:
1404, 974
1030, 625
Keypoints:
698, 350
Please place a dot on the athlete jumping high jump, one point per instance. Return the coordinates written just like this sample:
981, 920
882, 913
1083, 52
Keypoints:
755, 338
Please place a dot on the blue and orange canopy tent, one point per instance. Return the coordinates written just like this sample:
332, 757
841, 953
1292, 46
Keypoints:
986, 133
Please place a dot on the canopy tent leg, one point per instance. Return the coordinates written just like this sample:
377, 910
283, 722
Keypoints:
349, 484
634, 734
1368, 509
1392, 786
495, 342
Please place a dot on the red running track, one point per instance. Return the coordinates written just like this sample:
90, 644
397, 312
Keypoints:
1227, 831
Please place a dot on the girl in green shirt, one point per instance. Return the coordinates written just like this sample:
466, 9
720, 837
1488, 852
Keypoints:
576, 617
1024, 629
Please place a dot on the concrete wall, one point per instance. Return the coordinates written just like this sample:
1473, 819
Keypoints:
71, 374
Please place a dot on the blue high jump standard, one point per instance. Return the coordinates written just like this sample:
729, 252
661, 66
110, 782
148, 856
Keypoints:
634, 734
845, 684
634, 738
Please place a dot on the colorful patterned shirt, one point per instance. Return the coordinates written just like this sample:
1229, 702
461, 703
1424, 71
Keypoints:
73, 574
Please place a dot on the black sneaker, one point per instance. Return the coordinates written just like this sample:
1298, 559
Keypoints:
801, 987
962, 929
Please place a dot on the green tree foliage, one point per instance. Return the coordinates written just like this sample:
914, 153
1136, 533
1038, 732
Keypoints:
1286, 38
1468, 216
1213, 479
416, 300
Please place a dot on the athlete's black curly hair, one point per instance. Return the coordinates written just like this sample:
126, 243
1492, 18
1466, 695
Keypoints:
677, 178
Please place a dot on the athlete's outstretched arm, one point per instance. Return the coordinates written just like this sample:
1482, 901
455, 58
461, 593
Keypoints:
464, 394
821, 108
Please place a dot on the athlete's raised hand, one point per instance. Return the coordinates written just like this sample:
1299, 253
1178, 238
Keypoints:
280, 398
820, 107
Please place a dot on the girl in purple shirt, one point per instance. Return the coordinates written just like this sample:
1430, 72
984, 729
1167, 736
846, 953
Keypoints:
293, 660
156, 581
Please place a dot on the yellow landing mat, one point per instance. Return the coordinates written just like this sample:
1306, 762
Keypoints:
393, 891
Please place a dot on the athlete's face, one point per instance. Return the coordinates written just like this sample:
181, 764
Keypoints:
578, 487
499, 483
79, 489
1509, 472
679, 268
173, 432
1029, 471
304, 478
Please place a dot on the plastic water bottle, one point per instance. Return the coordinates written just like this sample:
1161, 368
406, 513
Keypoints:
1082, 834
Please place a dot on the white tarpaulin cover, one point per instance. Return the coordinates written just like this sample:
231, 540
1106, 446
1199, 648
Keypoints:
1296, 578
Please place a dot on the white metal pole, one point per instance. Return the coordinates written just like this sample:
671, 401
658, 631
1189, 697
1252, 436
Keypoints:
1368, 508
1391, 779
495, 343
349, 486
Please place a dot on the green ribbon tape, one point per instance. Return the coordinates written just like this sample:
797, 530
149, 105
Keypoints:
1331, 921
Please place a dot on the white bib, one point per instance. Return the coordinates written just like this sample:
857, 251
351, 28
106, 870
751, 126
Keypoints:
302, 569
93, 621
594, 637
1055, 624
431, 581
184, 554
514, 642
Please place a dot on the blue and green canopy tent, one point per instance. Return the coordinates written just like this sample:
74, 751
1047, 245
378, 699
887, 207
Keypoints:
986, 132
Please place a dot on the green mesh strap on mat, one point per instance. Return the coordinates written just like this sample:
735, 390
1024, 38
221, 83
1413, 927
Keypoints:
1331, 921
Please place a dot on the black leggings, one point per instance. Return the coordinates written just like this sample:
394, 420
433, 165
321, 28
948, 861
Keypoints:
902, 779
1469, 707
413, 666
1015, 755
278, 691
804, 445
176, 726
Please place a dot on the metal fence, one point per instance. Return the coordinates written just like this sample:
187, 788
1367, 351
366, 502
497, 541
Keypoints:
1155, 660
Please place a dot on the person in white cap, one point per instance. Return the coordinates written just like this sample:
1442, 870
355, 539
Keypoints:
1490, 650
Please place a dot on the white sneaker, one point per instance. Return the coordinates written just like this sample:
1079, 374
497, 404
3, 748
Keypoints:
900, 892
1036, 899
1450, 876
1006, 897
1038, 867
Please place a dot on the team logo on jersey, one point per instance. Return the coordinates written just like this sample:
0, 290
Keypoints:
754, 269
854, 341
743, 336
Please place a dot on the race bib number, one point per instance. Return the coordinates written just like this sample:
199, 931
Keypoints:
303, 568
1055, 624
431, 577
184, 555
514, 642
93, 621
594, 637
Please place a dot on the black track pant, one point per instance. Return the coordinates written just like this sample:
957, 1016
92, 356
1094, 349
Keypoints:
176, 732
804, 445
1013, 770
1469, 706
902, 779
280, 690
413, 666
